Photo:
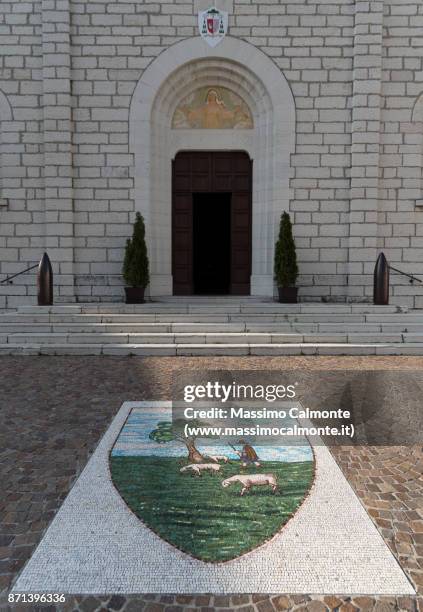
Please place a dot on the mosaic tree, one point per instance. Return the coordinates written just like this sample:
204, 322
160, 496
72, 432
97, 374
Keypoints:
167, 431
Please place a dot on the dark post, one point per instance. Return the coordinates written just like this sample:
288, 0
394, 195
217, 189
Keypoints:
45, 282
381, 281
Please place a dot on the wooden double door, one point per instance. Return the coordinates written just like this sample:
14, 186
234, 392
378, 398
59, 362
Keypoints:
211, 223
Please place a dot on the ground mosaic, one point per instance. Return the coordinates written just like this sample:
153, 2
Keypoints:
37, 470
97, 542
198, 507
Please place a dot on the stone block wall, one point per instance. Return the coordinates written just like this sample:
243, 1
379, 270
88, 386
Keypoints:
22, 235
400, 211
68, 73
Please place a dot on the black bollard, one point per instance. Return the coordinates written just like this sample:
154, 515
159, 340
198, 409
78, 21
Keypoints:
45, 282
381, 281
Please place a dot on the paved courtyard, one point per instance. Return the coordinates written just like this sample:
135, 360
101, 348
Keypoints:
56, 410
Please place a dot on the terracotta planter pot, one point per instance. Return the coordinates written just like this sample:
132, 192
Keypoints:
134, 295
288, 295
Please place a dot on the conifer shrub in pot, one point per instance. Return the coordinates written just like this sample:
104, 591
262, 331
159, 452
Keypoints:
135, 265
286, 268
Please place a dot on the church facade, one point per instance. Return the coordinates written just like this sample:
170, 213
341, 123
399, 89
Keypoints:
314, 107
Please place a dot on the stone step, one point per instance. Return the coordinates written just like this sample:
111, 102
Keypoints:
213, 349
209, 299
200, 338
213, 318
147, 328
241, 326
210, 307
413, 337
220, 328
282, 327
213, 327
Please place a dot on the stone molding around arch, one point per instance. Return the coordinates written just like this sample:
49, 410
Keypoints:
176, 72
417, 117
417, 112
6, 114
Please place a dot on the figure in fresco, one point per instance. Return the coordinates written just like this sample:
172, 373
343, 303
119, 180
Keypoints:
213, 113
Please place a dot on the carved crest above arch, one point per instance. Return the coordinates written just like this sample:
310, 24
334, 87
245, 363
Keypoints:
212, 108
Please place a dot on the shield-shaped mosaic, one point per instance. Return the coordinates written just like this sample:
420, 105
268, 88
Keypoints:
209, 498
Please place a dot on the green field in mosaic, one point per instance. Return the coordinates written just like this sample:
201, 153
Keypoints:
199, 516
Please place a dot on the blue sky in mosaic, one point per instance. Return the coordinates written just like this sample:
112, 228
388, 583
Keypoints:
133, 440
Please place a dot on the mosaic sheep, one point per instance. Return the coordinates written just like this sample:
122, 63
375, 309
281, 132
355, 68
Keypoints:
217, 458
252, 480
197, 468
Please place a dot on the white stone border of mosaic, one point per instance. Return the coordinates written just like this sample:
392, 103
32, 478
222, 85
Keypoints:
95, 545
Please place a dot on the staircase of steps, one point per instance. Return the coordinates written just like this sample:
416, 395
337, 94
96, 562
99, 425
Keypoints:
212, 326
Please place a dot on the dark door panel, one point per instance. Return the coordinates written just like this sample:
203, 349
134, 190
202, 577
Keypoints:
212, 243
227, 177
241, 243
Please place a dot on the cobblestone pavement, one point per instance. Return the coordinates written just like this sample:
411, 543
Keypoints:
54, 410
389, 482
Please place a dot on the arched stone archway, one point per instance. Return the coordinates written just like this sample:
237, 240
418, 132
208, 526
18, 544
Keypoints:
248, 72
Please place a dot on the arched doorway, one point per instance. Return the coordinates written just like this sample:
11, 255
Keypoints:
247, 72
211, 223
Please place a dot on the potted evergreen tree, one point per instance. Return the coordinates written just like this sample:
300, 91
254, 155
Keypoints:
286, 268
135, 265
